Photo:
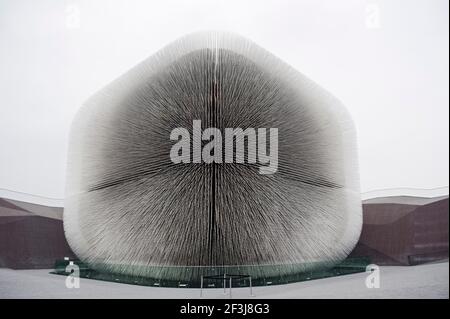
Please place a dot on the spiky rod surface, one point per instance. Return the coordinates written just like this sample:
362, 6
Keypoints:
129, 207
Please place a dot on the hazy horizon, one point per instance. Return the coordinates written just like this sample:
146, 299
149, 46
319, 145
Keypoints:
387, 61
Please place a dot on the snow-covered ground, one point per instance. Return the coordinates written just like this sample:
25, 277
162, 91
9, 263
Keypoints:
424, 281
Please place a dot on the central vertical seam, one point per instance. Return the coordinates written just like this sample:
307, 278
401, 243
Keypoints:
213, 119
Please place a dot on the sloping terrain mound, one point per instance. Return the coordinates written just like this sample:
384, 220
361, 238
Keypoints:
31, 236
404, 230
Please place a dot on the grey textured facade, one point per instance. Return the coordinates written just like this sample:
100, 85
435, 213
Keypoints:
129, 209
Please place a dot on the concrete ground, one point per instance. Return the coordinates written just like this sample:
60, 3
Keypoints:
424, 281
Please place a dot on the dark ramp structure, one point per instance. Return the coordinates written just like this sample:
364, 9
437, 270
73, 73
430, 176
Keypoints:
31, 235
404, 230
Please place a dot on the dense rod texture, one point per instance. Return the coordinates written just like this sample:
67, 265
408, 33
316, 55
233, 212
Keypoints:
130, 209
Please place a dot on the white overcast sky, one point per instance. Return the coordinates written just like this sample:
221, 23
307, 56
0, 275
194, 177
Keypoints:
387, 61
